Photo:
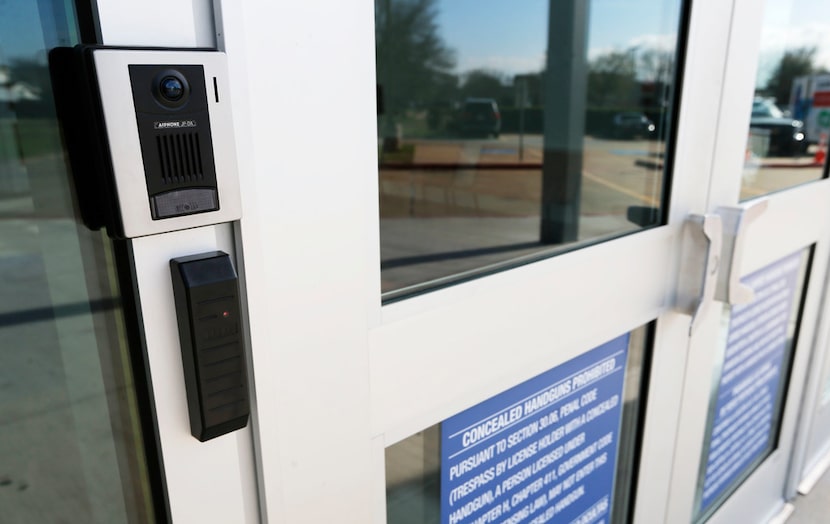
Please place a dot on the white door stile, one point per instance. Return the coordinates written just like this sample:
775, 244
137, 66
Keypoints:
212, 481
795, 219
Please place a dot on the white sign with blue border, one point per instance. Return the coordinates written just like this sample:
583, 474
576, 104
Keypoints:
545, 449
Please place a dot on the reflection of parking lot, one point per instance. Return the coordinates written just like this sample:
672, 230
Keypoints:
763, 175
449, 206
456, 205
503, 177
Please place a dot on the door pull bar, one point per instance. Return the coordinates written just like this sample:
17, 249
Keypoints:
699, 266
730, 289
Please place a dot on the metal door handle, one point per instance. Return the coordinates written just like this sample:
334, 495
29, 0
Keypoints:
730, 289
700, 265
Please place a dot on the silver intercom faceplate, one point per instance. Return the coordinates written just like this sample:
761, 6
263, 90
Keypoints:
169, 127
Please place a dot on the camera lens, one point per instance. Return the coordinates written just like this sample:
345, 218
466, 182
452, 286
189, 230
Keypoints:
171, 88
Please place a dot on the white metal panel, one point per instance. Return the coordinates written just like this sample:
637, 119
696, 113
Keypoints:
794, 219
165, 23
514, 326
251, 265
310, 178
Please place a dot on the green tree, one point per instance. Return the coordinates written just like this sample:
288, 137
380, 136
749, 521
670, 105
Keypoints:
481, 83
612, 79
794, 63
655, 65
413, 62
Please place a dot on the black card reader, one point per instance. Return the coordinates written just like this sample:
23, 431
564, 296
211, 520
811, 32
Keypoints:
210, 330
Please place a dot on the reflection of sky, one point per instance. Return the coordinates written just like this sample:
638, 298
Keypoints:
511, 37
793, 24
20, 32
501, 35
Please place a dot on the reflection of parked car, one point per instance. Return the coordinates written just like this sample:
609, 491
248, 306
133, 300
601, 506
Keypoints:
480, 116
632, 125
786, 135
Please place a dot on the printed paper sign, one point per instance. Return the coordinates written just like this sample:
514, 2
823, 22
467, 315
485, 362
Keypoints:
542, 451
751, 377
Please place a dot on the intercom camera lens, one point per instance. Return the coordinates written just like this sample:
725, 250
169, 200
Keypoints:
171, 88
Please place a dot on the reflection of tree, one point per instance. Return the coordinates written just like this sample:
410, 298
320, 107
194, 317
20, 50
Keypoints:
636, 79
485, 83
655, 65
414, 65
794, 63
621, 78
612, 79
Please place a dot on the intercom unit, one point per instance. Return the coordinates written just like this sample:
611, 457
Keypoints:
150, 137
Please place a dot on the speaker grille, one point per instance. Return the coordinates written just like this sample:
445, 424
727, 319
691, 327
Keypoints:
180, 157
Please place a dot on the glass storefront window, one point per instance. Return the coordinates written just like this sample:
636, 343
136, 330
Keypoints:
71, 443
509, 132
790, 124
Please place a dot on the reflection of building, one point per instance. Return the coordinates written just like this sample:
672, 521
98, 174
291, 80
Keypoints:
11, 91
13, 178
810, 102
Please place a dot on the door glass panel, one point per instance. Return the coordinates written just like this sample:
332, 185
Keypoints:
790, 123
70, 441
508, 131
750, 380
556, 456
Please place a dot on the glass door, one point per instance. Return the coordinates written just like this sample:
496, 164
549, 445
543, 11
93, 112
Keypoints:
527, 231
500, 209
75, 441
550, 391
756, 341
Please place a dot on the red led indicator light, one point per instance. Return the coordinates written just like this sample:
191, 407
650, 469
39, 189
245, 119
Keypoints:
226, 314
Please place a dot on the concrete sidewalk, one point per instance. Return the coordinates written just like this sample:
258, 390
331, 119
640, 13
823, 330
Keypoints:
814, 508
